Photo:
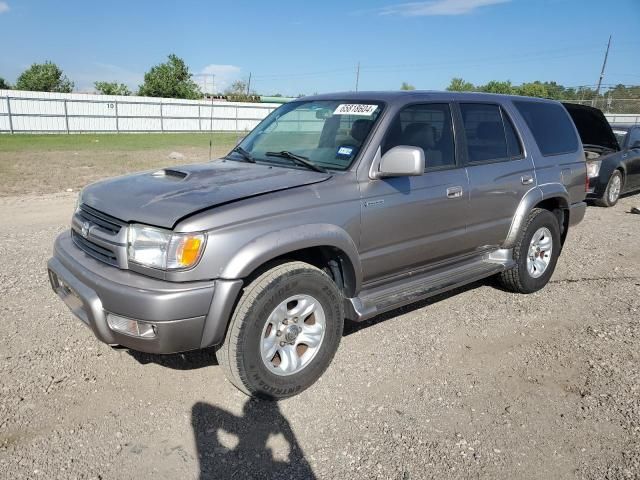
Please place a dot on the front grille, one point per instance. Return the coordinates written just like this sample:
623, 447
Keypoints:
96, 251
103, 221
100, 236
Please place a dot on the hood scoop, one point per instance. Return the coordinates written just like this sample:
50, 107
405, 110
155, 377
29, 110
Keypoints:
170, 174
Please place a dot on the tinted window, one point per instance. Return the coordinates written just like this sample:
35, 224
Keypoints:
634, 136
428, 127
484, 131
550, 125
513, 142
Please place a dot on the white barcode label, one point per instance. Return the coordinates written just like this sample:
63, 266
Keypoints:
355, 109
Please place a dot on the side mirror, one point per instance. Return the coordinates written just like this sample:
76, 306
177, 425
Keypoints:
402, 161
636, 145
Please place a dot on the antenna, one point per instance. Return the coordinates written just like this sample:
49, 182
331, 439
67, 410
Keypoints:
357, 76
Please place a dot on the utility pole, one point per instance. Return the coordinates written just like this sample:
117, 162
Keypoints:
357, 76
604, 64
249, 84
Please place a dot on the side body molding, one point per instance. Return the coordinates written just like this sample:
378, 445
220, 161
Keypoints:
529, 201
274, 244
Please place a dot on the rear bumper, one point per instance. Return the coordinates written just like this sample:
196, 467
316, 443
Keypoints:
185, 316
577, 212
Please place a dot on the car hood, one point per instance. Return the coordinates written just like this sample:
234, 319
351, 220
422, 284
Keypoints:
592, 125
164, 197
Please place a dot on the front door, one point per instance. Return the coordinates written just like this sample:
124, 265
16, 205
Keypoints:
410, 222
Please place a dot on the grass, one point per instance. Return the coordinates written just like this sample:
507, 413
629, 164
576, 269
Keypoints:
37, 164
113, 142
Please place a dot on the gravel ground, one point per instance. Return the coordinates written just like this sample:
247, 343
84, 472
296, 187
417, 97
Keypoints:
478, 383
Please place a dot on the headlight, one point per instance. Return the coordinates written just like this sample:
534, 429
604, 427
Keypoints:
593, 168
78, 201
164, 249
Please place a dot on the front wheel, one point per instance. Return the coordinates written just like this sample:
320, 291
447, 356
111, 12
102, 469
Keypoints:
535, 253
284, 331
612, 192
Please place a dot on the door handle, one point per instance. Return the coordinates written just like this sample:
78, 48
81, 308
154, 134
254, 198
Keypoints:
526, 179
454, 192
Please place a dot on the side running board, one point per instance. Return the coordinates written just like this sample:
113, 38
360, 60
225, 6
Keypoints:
376, 300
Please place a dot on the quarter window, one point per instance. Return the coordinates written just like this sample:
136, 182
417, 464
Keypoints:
550, 125
427, 126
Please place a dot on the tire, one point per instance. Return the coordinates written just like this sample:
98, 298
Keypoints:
520, 278
612, 193
289, 287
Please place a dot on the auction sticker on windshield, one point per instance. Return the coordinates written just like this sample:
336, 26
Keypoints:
355, 109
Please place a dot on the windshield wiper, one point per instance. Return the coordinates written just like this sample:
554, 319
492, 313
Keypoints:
246, 155
299, 159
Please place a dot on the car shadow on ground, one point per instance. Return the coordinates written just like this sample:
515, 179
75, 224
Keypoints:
178, 361
259, 444
353, 327
207, 357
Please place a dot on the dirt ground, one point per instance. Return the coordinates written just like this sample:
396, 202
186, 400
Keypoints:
477, 383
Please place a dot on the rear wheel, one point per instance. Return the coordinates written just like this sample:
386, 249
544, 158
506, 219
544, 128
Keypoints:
284, 332
535, 253
612, 192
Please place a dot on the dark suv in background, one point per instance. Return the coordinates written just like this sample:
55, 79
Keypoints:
335, 206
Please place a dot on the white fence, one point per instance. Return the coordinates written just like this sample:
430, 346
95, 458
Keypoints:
622, 118
32, 112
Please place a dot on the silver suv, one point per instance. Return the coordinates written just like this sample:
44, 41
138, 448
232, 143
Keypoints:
339, 206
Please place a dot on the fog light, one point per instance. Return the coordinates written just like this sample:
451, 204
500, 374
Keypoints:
131, 327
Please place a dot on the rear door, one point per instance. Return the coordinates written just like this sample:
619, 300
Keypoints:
409, 222
500, 173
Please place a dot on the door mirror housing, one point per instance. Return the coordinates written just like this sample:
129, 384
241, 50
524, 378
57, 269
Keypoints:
401, 161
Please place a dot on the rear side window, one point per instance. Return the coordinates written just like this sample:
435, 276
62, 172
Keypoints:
513, 142
550, 125
485, 133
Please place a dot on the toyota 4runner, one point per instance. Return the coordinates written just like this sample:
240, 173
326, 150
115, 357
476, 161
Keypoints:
338, 206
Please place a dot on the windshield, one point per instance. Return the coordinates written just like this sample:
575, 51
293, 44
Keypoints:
327, 133
620, 136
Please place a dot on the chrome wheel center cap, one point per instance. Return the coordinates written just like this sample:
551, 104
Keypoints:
291, 333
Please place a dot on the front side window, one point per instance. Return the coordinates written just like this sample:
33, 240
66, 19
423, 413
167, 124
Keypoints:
621, 136
327, 133
550, 125
634, 137
426, 126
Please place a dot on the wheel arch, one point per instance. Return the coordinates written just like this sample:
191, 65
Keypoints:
552, 197
325, 246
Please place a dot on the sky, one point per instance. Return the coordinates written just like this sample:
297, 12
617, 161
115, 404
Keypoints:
303, 47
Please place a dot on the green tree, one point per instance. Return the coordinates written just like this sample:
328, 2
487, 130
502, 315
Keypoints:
44, 77
112, 88
171, 79
4, 85
459, 85
533, 89
495, 86
407, 86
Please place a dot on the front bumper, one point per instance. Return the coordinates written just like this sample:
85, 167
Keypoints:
185, 316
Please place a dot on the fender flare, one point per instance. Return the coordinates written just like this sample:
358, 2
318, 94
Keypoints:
532, 198
266, 247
